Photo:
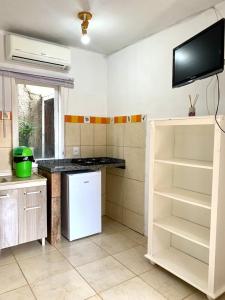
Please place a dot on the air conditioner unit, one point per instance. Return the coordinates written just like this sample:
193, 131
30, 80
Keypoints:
29, 50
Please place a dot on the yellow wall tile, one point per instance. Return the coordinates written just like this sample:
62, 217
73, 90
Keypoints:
100, 134
134, 195
114, 211
87, 151
135, 135
99, 151
115, 134
133, 220
69, 152
135, 163
115, 189
72, 134
87, 134
115, 152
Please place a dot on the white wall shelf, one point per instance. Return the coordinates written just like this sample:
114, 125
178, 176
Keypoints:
178, 194
186, 193
186, 163
188, 230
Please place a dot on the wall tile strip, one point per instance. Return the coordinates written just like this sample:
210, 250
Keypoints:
105, 120
120, 119
73, 119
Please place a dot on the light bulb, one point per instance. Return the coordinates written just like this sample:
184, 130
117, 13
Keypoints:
85, 39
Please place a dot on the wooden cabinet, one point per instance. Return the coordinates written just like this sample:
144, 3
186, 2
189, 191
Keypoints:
32, 214
186, 225
23, 212
8, 218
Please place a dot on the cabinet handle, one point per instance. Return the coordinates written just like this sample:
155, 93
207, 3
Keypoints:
4, 196
31, 208
32, 193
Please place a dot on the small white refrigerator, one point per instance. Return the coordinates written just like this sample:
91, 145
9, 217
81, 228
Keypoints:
81, 204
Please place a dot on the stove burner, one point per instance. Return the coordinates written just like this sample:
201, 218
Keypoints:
93, 161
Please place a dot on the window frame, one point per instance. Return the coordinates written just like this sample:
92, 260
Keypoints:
58, 117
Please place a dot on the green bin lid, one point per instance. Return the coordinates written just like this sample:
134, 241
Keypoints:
22, 151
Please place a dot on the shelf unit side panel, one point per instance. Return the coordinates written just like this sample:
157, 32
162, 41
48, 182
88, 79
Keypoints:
217, 235
151, 187
164, 142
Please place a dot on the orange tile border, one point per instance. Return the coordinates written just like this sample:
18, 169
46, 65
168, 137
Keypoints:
120, 119
8, 115
98, 120
73, 119
104, 120
136, 118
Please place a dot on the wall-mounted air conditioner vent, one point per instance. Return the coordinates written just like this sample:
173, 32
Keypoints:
29, 50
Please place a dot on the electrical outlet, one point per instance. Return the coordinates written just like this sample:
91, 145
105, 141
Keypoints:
76, 151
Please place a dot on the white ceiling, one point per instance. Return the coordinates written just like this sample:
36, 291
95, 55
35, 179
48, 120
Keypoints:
116, 23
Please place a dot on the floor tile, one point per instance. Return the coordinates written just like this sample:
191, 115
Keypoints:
197, 296
31, 249
43, 266
114, 243
82, 253
11, 278
63, 242
6, 257
96, 297
66, 285
134, 289
134, 260
106, 221
201, 296
23, 293
135, 236
170, 286
104, 273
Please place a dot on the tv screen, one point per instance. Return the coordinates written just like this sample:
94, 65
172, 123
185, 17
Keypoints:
199, 57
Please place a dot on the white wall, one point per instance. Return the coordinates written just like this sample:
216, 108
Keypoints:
140, 76
89, 69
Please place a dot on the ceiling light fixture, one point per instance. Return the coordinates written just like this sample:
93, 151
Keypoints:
85, 16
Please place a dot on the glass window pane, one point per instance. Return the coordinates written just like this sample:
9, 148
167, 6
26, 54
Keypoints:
36, 119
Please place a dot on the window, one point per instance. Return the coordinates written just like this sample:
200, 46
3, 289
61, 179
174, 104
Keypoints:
37, 116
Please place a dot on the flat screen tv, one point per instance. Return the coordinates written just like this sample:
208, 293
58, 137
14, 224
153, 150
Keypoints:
199, 57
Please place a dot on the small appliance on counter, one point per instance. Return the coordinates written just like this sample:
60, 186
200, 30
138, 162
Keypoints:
23, 158
81, 204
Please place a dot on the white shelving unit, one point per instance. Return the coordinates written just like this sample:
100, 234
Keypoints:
186, 226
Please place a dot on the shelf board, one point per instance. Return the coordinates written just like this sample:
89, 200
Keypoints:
185, 229
182, 195
187, 163
184, 266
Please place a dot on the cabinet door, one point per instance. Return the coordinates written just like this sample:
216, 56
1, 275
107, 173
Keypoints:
33, 214
8, 218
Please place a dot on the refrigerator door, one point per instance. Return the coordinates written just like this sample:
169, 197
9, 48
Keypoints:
84, 191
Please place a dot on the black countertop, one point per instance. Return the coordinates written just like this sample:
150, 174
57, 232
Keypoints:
80, 164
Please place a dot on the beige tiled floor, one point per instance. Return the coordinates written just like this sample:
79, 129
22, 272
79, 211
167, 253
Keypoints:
109, 266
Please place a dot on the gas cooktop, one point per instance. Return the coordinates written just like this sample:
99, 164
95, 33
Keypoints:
79, 164
93, 161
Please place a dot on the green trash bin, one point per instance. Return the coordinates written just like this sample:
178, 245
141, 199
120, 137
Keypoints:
23, 158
